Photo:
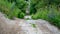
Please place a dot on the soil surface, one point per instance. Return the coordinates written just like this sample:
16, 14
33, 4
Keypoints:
23, 26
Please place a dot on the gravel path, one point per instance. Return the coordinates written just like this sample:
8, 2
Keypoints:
21, 26
28, 28
42, 27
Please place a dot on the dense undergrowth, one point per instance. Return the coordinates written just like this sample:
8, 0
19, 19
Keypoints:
52, 15
47, 10
39, 9
13, 8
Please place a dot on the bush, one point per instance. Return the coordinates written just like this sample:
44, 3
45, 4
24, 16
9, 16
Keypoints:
54, 18
21, 15
52, 15
11, 8
41, 13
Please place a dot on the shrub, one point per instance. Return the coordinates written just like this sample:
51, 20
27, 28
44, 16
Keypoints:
40, 14
11, 9
21, 15
52, 15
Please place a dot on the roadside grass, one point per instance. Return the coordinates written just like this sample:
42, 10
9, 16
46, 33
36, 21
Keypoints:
52, 15
33, 25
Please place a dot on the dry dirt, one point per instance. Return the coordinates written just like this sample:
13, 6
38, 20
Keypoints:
21, 26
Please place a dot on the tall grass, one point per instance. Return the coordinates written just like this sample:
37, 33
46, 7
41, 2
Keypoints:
50, 14
10, 9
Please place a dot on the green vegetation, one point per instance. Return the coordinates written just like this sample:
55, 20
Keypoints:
33, 25
39, 9
46, 9
13, 8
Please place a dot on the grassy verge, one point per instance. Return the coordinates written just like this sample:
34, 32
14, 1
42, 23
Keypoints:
50, 14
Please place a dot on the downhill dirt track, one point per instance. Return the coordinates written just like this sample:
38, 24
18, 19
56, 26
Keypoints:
21, 26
